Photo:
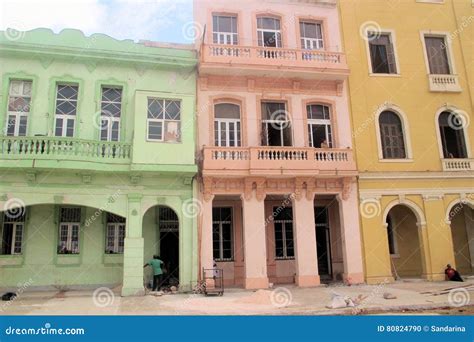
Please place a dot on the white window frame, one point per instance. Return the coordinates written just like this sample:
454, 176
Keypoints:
406, 134
228, 37
221, 236
14, 234
18, 115
65, 117
283, 232
70, 226
110, 119
261, 31
164, 121
448, 45
319, 42
393, 40
227, 123
116, 248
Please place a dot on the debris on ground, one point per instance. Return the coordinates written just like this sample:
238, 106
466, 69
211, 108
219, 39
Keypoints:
388, 295
339, 301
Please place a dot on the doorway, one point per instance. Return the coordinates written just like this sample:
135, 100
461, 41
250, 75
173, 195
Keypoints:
323, 243
168, 227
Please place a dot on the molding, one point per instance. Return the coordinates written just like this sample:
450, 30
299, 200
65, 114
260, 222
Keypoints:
415, 175
373, 193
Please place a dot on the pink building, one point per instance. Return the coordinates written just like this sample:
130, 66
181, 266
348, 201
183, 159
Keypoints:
278, 176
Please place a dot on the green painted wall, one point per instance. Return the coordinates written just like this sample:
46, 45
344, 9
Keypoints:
157, 173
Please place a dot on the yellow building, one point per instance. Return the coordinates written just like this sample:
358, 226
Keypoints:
411, 93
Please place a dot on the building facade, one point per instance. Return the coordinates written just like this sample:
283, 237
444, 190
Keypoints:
278, 175
411, 102
96, 161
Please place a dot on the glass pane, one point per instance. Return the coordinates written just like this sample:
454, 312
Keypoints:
70, 215
23, 125
172, 131
227, 111
11, 125
173, 110
70, 128
155, 108
155, 130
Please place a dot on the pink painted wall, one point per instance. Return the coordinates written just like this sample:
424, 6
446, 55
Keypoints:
290, 14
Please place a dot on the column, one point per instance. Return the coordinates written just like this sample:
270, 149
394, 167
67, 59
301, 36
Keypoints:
254, 241
207, 261
437, 246
133, 249
351, 239
305, 242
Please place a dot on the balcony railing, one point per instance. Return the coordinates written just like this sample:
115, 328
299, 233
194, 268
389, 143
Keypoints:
63, 148
268, 56
277, 159
444, 83
458, 164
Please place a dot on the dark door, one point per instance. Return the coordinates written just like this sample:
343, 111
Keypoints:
323, 242
168, 225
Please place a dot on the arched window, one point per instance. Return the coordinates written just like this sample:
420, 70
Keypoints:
391, 135
452, 135
227, 125
319, 126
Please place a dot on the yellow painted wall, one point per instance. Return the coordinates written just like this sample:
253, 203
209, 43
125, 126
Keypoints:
420, 182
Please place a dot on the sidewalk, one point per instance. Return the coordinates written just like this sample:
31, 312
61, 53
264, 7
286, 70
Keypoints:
283, 300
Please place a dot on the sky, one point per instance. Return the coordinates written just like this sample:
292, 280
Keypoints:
158, 20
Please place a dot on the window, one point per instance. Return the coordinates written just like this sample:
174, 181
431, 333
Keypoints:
12, 231
19, 100
69, 223
283, 224
382, 55
436, 50
227, 125
311, 36
115, 234
222, 234
111, 110
269, 32
224, 29
391, 134
164, 120
452, 135
391, 234
276, 126
319, 126
66, 110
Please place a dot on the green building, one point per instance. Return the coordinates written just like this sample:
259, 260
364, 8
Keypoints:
96, 161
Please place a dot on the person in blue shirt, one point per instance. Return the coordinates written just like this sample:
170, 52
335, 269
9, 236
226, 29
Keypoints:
156, 264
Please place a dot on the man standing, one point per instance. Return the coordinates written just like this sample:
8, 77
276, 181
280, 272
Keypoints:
155, 264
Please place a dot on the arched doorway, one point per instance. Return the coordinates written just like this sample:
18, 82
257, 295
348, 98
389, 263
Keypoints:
161, 235
462, 230
404, 242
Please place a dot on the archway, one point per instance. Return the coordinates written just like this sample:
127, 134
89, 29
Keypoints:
161, 233
461, 217
404, 242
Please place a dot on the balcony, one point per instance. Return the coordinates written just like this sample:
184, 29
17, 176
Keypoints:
61, 152
458, 164
286, 161
266, 61
444, 83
